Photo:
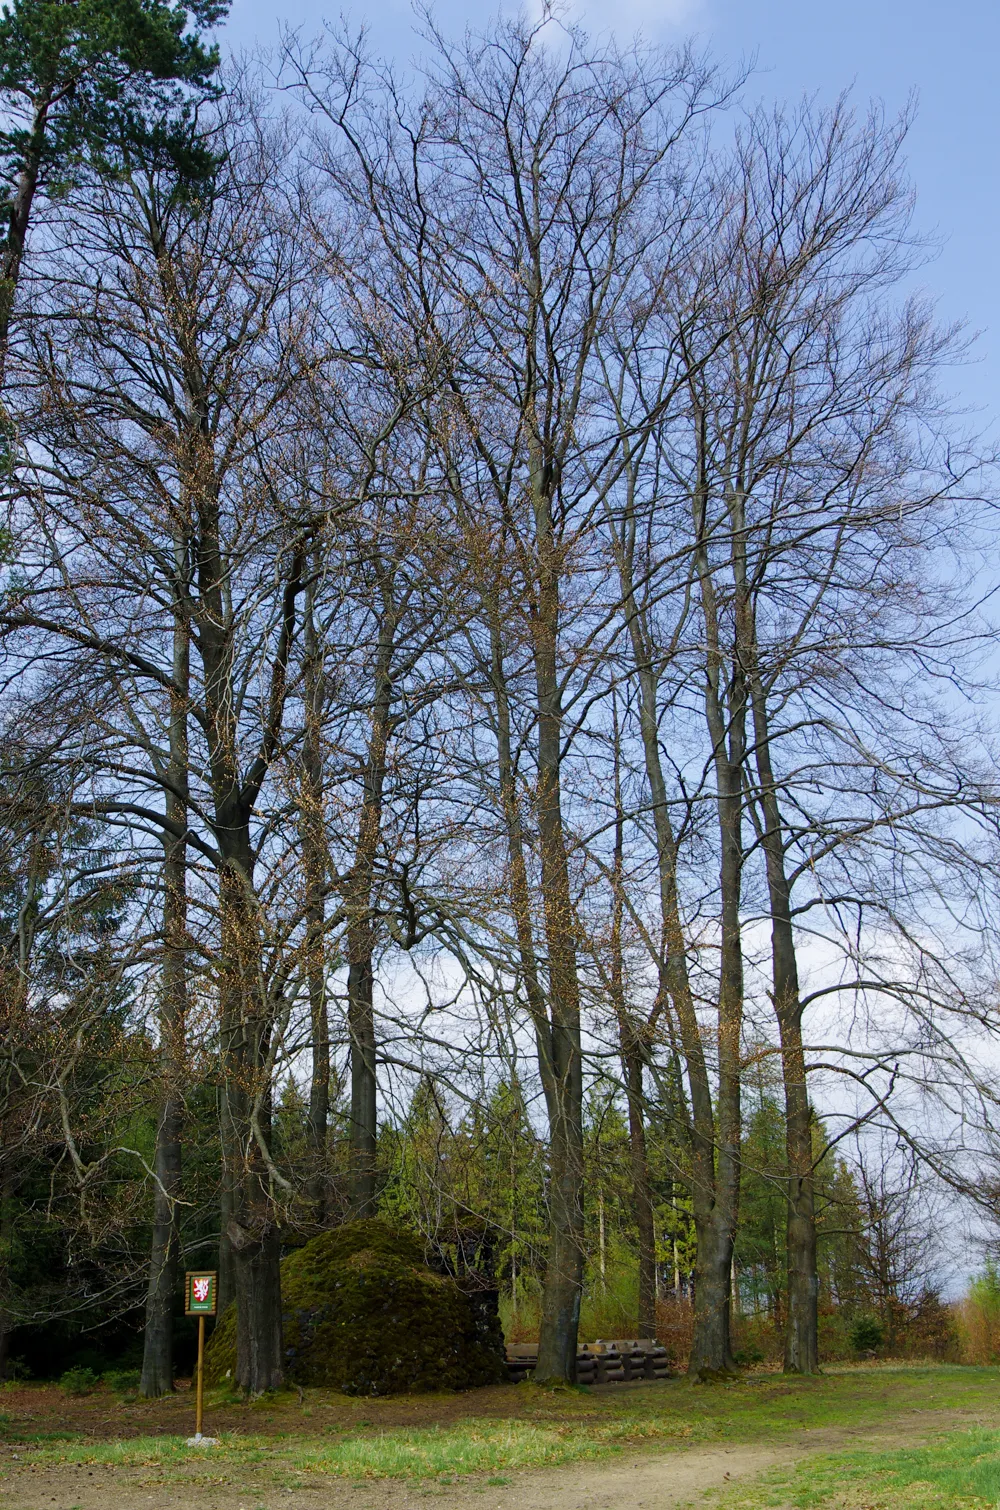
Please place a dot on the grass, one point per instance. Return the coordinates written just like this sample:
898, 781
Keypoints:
494, 1431
960, 1472
479, 1447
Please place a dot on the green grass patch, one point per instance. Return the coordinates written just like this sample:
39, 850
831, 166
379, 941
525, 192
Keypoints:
467, 1448
521, 1427
960, 1472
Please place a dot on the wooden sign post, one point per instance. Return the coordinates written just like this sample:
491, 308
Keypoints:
200, 1297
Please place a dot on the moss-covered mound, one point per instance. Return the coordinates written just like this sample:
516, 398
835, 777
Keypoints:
362, 1313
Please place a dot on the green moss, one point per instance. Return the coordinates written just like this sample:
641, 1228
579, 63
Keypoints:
361, 1312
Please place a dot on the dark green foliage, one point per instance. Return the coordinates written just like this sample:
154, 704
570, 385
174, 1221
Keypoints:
79, 1381
84, 78
867, 1334
93, 86
124, 1381
362, 1313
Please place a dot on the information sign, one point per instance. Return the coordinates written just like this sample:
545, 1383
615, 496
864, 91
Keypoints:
200, 1293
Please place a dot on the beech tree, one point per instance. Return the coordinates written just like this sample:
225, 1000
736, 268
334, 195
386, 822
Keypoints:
164, 445
489, 556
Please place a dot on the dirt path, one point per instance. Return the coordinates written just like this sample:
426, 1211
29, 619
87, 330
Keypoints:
640, 1481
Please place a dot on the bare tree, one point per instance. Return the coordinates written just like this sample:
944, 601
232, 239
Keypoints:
520, 245
165, 432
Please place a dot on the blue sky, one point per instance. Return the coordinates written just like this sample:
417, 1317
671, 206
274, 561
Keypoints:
885, 48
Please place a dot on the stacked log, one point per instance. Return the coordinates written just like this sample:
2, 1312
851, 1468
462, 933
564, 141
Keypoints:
522, 1360
601, 1362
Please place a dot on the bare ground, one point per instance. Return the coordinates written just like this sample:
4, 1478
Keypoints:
636, 1480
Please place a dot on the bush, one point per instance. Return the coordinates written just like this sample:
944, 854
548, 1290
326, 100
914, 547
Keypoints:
979, 1318
79, 1381
867, 1335
675, 1328
124, 1381
361, 1312
748, 1357
930, 1329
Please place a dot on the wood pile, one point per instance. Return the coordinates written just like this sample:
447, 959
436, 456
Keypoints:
622, 1361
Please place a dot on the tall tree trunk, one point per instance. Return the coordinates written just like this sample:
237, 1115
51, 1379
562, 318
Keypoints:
632, 1054
563, 1286
157, 1356
802, 1324
361, 932
314, 858
801, 1331
251, 1238
642, 1193
364, 1082
725, 717
714, 1129
564, 1275
18, 218
251, 1228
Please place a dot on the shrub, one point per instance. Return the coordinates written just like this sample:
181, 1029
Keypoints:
79, 1381
521, 1310
756, 1339
867, 1335
361, 1312
675, 1327
929, 1329
979, 1318
124, 1381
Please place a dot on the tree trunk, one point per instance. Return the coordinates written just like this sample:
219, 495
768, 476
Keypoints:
258, 1300
164, 1265
19, 216
802, 1325
632, 1061
714, 1129
725, 717
563, 1287
251, 1228
642, 1195
361, 933
364, 1106
711, 1348
314, 857
249, 1248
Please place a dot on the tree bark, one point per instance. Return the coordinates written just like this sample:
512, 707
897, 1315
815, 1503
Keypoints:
364, 1082
642, 1193
361, 932
725, 716
157, 1357
245, 1015
251, 1227
631, 1040
714, 1129
12, 250
314, 857
563, 1287
802, 1324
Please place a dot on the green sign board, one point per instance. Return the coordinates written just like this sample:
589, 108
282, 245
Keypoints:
200, 1293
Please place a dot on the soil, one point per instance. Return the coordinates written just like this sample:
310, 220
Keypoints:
105, 1418
652, 1479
